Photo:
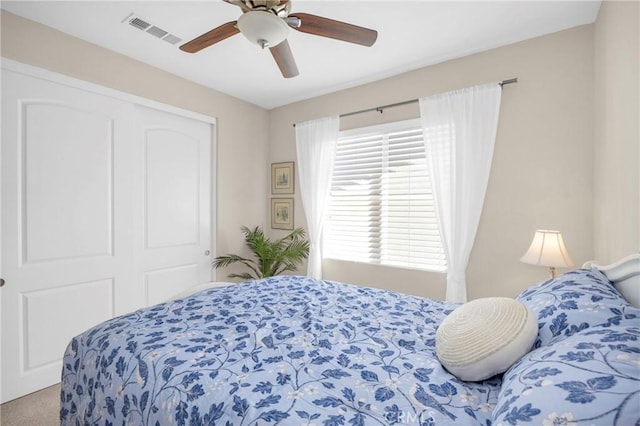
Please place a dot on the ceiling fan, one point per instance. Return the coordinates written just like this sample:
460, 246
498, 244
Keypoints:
267, 22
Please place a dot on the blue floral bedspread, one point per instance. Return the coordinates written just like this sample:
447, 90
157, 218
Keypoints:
285, 350
297, 351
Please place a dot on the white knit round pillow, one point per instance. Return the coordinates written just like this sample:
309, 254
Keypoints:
485, 337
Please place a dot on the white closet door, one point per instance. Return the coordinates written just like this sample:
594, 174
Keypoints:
173, 205
64, 199
106, 207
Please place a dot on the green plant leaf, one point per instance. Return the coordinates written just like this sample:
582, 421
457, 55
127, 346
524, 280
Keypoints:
271, 257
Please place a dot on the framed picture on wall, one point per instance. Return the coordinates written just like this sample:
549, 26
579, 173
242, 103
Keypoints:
282, 178
282, 213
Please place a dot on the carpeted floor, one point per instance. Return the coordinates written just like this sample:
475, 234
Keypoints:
37, 409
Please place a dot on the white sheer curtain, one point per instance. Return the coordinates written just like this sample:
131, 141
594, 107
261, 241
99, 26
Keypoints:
459, 133
316, 144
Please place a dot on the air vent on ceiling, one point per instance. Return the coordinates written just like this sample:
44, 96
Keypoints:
158, 32
144, 25
170, 38
139, 23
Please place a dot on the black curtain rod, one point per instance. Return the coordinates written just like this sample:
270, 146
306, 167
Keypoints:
380, 109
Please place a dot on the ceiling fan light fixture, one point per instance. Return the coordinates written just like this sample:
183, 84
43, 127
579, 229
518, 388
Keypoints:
263, 28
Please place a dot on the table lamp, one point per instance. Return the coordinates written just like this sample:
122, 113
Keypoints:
547, 249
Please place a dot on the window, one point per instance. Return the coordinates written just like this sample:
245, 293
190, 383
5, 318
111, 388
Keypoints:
381, 208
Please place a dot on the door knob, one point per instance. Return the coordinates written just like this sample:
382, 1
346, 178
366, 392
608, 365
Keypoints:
1, 282
207, 253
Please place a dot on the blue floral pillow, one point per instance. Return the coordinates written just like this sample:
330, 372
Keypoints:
591, 377
573, 302
585, 367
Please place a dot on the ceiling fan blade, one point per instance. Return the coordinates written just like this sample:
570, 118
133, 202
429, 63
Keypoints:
214, 36
326, 27
284, 58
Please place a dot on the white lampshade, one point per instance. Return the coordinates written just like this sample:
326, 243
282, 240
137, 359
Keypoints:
547, 249
263, 28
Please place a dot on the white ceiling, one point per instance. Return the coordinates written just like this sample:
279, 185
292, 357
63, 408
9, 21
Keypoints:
411, 34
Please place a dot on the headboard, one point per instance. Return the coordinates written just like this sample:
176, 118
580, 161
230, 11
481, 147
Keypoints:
624, 274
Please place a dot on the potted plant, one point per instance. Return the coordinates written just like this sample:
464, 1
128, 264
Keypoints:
271, 257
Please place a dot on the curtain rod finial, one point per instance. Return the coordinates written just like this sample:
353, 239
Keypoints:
509, 81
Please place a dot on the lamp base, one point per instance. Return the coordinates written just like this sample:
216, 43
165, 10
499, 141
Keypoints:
552, 270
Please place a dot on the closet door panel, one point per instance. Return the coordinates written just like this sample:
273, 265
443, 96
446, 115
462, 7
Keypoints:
64, 206
174, 240
172, 188
67, 182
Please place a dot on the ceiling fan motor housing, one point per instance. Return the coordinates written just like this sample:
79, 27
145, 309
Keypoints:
263, 28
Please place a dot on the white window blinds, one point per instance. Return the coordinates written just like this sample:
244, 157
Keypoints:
381, 208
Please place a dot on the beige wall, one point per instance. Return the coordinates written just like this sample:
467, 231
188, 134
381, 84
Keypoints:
542, 167
240, 147
616, 131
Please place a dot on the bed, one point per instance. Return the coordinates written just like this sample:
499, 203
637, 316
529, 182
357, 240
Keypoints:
293, 350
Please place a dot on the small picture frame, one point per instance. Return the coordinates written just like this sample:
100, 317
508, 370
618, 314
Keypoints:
282, 178
282, 213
